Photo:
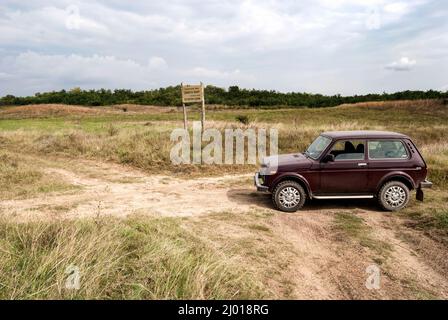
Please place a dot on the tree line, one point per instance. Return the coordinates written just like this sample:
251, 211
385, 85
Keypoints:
233, 96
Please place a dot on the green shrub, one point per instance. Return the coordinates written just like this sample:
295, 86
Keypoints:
243, 119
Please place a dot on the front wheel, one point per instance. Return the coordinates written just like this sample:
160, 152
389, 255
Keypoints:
393, 196
288, 196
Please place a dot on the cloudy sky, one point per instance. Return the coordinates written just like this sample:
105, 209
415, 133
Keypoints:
319, 46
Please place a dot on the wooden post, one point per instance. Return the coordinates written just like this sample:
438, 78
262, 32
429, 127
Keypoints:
184, 109
185, 116
203, 108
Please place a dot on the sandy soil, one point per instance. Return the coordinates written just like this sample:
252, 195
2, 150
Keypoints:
109, 189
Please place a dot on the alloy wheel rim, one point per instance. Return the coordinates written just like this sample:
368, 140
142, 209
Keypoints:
289, 197
395, 196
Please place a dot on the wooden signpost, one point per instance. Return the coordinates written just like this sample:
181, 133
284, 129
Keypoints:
193, 94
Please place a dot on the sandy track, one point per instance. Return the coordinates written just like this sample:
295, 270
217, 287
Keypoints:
120, 191
330, 268
323, 267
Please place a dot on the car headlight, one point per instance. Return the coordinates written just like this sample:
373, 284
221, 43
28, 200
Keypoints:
267, 171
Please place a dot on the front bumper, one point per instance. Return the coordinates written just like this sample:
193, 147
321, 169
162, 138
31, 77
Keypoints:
257, 183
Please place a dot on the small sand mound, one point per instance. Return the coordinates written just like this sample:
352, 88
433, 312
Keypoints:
408, 104
44, 110
141, 108
49, 110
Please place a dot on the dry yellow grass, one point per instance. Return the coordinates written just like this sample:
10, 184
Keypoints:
137, 258
24, 179
141, 137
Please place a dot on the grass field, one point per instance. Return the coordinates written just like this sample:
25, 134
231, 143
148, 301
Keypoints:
244, 250
141, 138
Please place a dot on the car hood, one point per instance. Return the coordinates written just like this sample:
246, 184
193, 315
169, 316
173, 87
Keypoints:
287, 161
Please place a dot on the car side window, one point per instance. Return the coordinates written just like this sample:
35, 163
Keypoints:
348, 150
387, 149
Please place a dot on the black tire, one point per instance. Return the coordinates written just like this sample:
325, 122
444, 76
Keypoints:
296, 192
393, 196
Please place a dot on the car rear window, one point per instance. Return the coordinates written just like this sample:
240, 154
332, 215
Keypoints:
387, 149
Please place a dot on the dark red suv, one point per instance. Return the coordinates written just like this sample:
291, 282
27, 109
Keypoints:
347, 165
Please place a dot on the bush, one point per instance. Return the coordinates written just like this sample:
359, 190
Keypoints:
243, 119
234, 96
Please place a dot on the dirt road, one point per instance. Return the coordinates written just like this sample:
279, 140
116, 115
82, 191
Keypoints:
327, 263
110, 189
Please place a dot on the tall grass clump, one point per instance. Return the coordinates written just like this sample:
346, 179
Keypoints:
150, 258
20, 179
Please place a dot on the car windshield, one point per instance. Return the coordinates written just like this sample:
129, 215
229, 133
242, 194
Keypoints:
317, 147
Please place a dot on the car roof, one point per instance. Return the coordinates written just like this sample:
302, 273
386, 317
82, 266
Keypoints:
364, 134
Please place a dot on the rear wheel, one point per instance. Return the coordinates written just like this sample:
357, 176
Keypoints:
393, 196
288, 196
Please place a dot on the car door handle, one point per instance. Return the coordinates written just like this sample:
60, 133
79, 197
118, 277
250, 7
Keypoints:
362, 164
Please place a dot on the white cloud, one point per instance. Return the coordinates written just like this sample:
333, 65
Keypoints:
157, 63
404, 64
373, 19
211, 73
4, 75
51, 72
254, 25
282, 45
49, 25
32, 70
397, 8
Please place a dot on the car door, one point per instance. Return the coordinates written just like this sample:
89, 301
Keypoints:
348, 172
386, 156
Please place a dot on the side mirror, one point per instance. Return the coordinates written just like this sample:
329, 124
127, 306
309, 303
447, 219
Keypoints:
328, 158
